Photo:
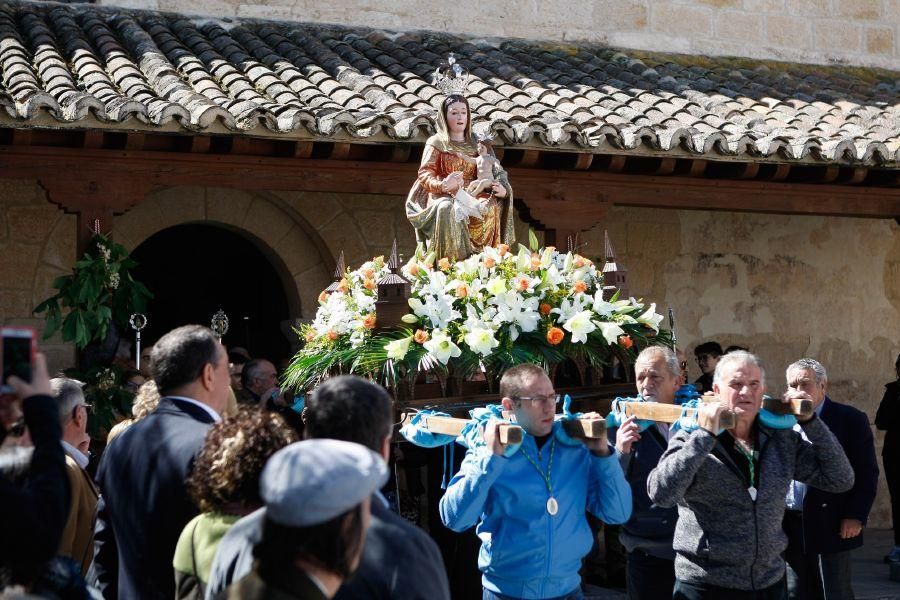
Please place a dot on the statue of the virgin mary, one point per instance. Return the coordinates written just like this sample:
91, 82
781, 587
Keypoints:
453, 223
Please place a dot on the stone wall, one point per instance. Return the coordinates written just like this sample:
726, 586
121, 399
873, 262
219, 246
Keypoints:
859, 32
37, 244
786, 287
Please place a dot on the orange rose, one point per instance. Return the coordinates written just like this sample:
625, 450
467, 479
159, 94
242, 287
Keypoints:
535, 262
332, 335
323, 297
369, 321
545, 308
522, 284
344, 285
369, 284
502, 249
369, 273
414, 269
489, 262
462, 290
555, 336
579, 261
421, 336
580, 287
551, 248
444, 264
625, 341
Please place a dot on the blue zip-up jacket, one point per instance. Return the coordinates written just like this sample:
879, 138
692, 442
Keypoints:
526, 552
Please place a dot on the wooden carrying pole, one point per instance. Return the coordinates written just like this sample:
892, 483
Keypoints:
797, 407
668, 413
509, 434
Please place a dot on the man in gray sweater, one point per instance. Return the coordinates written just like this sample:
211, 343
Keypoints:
729, 487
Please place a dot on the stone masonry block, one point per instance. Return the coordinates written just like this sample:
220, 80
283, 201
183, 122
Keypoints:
808, 8
793, 32
677, 19
880, 40
59, 251
17, 265
621, 15
32, 224
858, 9
837, 35
732, 25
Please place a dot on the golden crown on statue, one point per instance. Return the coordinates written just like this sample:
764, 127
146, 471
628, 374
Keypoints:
451, 78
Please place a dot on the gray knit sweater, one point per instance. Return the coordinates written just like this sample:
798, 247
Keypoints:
724, 538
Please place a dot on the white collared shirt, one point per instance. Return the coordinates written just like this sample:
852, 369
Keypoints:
215, 416
80, 458
796, 493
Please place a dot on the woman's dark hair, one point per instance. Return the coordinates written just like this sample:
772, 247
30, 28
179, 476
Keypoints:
179, 357
453, 99
226, 473
331, 545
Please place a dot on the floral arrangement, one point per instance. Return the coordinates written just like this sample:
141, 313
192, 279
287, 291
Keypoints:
99, 291
105, 390
486, 313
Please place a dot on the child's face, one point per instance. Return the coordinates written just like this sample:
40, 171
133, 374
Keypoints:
482, 149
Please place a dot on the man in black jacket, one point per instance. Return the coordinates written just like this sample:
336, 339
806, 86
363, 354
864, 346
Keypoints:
399, 560
888, 419
823, 528
33, 515
647, 536
142, 473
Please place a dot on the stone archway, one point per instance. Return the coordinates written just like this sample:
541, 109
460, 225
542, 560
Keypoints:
291, 244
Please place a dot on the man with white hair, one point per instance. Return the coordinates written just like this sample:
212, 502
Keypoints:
78, 537
729, 486
647, 536
823, 528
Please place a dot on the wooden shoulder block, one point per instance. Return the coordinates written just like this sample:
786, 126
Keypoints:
585, 428
668, 413
799, 407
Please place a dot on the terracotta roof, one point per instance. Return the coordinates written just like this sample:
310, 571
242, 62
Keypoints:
89, 66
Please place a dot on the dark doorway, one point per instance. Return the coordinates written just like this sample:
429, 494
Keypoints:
194, 270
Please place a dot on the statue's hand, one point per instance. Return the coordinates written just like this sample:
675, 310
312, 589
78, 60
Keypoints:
452, 182
499, 190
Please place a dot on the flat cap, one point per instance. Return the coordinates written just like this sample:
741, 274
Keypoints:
314, 481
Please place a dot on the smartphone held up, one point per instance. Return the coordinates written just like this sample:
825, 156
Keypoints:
17, 353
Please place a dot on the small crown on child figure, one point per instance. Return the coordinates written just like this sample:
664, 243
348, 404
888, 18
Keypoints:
451, 79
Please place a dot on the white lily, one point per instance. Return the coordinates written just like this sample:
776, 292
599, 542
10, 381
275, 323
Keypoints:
547, 257
496, 286
569, 307
521, 313
611, 332
651, 318
523, 260
437, 308
601, 306
397, 349
481, 341
441, 347
580, 325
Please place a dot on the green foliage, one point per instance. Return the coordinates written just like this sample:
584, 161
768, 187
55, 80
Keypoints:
104, 391
99, 290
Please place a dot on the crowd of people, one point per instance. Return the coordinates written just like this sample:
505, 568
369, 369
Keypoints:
207, 491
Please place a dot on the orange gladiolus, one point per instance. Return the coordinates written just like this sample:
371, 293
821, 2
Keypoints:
625, 341
332, 335
462, 291
522, 284
344, 285
414, 269
555, 336
578, 261
545, 308
502, 249
580, 287
489, 262
421, 336
323, 297
369, 273
444, 264
369, 321
535, 262
310, 336
369, 284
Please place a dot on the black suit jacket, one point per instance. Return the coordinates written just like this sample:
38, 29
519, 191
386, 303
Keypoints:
823, 511
144, 500
888, 419
399, 561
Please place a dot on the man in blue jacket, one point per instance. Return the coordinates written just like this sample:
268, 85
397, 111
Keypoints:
530, 506
823, 527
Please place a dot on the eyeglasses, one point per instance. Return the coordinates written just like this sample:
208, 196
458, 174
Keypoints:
540, 400
87, 408
683, 365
